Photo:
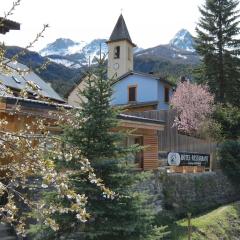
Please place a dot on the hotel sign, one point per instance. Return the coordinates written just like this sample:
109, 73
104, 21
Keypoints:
188, 159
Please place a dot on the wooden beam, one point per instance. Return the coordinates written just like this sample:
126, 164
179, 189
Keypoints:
2, 106
141, 125
7, 25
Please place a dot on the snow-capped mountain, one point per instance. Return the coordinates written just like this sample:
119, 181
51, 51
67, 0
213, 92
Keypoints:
77, 54
74, 54
93, 48
183, 40
62, 46
180, 50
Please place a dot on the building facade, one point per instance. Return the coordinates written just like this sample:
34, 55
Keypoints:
141, 92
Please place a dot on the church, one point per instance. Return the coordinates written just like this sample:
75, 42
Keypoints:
135, 91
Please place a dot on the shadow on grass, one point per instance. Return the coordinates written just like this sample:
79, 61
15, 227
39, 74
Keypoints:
234, 221
177, 232
224, 222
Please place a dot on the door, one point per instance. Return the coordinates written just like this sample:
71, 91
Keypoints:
139, 155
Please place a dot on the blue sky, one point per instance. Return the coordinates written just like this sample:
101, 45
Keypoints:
150, 22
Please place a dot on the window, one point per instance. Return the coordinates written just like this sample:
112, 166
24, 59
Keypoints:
129, 53
132, 93
17, 80
117, 52
166, 94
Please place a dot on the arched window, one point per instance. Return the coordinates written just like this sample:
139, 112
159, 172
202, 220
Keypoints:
117, 52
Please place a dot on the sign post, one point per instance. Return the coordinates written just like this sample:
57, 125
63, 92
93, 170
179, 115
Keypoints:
188, 159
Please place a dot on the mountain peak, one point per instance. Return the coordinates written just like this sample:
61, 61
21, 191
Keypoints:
74, 54
61, 46
183, 40
64, 42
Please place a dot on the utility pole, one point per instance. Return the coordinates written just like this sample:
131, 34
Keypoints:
189, 226
89, 61
100, 46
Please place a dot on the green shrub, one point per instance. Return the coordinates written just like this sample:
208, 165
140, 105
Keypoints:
229, 153
228, 117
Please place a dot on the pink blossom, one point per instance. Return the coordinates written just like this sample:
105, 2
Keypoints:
194, 104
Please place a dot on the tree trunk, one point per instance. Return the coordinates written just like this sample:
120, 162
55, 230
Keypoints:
220, 57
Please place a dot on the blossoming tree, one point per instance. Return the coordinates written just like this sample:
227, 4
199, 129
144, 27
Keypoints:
27, 165
193, 104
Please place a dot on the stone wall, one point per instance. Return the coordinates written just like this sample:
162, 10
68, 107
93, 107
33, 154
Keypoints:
195, 193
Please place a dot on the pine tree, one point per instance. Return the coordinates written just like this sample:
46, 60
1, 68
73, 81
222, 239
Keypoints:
94, 136
217, 43
129, 215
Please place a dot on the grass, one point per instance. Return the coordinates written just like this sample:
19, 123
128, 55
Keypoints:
220, 224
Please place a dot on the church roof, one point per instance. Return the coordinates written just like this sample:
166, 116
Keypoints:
120, 32
147, 75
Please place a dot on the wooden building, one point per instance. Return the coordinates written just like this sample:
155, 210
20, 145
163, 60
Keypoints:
19, 111
144, 131
7, 25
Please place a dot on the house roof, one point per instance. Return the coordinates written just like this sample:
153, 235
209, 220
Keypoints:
20, 77
152, 76
31, 107
139, 119
6, 25
139, 104
20, 100
76, 84
34, 105
120, 32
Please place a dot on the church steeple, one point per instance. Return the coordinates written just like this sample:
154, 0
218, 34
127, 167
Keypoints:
120, 32
120, 48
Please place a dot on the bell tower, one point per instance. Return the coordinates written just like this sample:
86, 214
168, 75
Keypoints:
120, 50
